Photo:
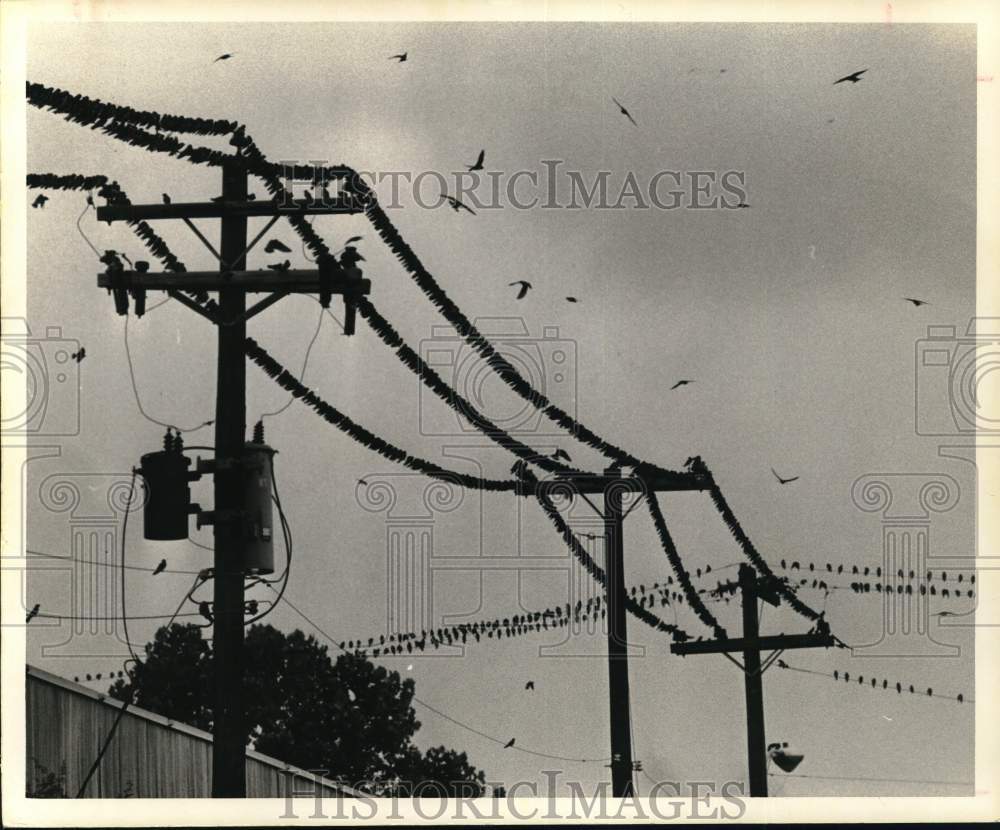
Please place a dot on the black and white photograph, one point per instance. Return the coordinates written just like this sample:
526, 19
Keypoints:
507, 415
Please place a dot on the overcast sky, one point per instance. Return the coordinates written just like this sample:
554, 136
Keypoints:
789, 316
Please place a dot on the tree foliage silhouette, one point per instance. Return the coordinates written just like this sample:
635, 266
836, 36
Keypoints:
348, 717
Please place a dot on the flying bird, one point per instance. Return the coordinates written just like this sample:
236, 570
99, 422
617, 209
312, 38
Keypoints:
479, 162
224, 57
854, 77
32, 613
916, 303
40, 201
529, 685
353, 239
456, 205
784, 480
680, 383
624, 111
561, 454
280, 266
80, 355
572, 300
160, 568
400, 57
523, 290
276, 245
509, 744
362, 482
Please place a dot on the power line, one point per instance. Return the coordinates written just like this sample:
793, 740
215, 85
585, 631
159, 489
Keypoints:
866, 778
444, 715
873, 683
97, 564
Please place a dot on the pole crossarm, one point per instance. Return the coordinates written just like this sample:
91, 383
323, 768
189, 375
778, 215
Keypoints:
665, 481
777, 642
218, 210
289, 282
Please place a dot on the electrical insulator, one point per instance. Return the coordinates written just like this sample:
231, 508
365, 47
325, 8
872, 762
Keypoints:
258, 536
168, 494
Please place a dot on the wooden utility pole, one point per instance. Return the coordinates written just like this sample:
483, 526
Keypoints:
618, 690
751, 644
612, 485
233, 283
228, 725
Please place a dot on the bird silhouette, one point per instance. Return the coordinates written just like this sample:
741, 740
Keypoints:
166, 199
362, 482
280, 266
90, 200
40, 201
624, 111
479, 162
854, 77
561, 455
160, 568
784, 480
742, 204
916, 303
529, 685
401, 57
572, 300
276, 245
509, 744
218, 199
205, 609
80, 355
353, 239
224, 57
457, 205
525, 287
32, 613
680, 383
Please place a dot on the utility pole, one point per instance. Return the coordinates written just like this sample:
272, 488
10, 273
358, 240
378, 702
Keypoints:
618, 690
228, 724
229, 518
751, 644
612, 485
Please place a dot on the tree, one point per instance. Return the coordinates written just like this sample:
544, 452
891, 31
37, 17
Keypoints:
349, 718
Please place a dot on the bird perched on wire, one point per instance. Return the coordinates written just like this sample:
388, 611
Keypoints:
561, 455
80, 355
479, 162
40, 201
457, 205
205, 609
276, 245
509, 744
351, 257
32, 613
624, 111
680, 383
160, 568
854, 77
524, 288
401, 57
166, 199
280, 266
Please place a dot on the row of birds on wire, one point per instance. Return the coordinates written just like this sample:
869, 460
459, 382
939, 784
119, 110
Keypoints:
866, 570
873, 682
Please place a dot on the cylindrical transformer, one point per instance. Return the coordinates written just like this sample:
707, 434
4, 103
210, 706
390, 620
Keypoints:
168, 495
258, 533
